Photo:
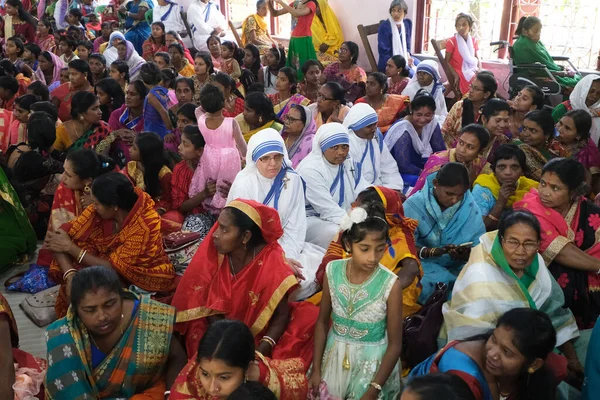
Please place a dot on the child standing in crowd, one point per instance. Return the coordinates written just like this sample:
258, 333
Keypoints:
195, 218
360, 357
221, 159
67, 46
461, 53
233, 56
156, 116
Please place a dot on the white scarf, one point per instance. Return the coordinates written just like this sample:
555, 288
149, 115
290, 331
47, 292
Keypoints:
399, 39
421, 144
467, 52
577, 99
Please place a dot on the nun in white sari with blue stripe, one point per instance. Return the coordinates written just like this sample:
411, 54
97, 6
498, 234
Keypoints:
332, 181
367, 148
269, 178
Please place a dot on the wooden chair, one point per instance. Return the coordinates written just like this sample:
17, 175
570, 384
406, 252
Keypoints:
365, 32
187, 28
236, 27
438, 46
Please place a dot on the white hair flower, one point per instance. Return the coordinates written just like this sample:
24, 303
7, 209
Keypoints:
356, 216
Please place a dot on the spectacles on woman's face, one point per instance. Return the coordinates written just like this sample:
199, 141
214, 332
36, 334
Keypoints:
476, 89
514, 244
289, 118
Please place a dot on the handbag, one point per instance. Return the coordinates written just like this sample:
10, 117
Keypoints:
421, 330
34, 280
178, 240
40, 307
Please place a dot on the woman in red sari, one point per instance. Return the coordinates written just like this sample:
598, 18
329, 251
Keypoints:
156, 42
73, 195
79, 81
28, 375
120, 230
240, 272
570, 235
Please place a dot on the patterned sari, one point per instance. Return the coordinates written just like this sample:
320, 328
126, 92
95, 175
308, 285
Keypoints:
581, 227
136, 252
401, 246
137, 31
133, 369
458, 224
46, 44
248, 132
354, 75
438, 160
281, 108
390, 111
586, 152
536, 159
257, 24
29, 370
208, 289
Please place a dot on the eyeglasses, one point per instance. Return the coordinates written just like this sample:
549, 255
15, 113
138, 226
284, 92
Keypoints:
291, 119
513, 245
476, 89
321, 96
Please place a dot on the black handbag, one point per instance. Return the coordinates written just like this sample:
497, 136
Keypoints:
421, 330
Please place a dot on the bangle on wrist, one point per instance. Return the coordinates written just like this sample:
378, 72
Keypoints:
421, 251
68, 273
490, 216
375, 386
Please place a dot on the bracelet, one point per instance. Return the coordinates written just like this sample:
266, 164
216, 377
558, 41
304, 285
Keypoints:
269, 340
431, 252
68, 272
490, 216
167, 393
421, 251
375, 386
81, 255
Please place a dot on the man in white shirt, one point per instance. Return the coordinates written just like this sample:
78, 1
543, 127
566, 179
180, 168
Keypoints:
205, 19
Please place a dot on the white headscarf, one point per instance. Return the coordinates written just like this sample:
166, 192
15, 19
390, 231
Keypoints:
316, 168
421, 144
362, 150
435, 88
577, 99
467, 52
252, 185
111, 53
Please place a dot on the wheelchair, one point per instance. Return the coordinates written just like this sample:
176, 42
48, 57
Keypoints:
535, 74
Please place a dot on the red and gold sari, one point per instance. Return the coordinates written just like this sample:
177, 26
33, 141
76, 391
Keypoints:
581, 226
136, 252
66, 206
401, 246
390, 111
29, 369
162, 202
208, 288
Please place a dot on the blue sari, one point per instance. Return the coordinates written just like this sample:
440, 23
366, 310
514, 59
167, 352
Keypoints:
456, 362
458, 224
137, 30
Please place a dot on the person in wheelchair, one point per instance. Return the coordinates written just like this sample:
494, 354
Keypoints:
528, 49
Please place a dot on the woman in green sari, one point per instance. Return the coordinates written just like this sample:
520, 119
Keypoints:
528, 49
112, 343
17, 237
85, 130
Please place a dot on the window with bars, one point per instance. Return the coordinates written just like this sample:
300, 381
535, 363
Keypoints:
568, 25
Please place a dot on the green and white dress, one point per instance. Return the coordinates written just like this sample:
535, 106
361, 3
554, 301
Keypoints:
357, 340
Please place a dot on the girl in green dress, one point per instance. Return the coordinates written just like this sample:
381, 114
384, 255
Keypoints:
360, 356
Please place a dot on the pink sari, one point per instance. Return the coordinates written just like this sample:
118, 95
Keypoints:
58, 66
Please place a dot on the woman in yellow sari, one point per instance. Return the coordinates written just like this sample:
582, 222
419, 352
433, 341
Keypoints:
258, 115
327, 36
401, 256
255, 29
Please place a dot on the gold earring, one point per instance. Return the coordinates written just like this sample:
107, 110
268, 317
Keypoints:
86, 189
81, 117
531, 370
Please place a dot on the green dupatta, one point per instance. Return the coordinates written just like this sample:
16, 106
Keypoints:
17, 237
135, 364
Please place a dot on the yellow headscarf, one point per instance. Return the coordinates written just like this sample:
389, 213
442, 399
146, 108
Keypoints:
260, 24
330, 34
490, 181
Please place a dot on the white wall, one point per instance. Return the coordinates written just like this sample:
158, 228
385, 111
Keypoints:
352, 13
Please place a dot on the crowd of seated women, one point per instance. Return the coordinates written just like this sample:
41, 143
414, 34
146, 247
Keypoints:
325, 205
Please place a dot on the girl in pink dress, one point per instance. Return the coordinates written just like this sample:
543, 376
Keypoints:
224, 149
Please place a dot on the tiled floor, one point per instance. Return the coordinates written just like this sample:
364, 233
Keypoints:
31, 338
